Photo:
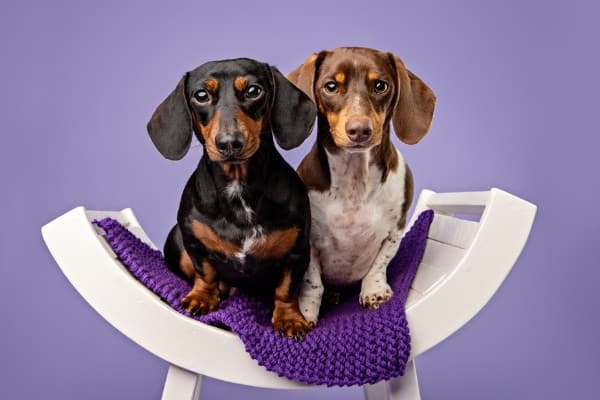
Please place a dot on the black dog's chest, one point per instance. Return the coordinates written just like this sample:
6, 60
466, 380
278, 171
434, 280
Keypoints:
250, 273
241, 254
244, 268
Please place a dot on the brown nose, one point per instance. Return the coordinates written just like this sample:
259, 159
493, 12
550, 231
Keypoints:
359, 129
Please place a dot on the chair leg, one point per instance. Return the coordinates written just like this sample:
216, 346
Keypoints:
181, 385
405, 387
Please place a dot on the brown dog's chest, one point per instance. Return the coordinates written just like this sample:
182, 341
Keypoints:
353, 217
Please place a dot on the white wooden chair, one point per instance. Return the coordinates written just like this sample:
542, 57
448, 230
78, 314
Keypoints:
465, 262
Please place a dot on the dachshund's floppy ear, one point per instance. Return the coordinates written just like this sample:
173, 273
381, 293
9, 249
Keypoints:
304, 76
170, 126
414, 104
293, 113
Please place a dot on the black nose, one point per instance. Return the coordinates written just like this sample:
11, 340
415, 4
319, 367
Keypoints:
230, 144
359, 129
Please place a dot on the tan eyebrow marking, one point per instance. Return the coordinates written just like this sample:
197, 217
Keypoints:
212, 84
340, 77
240, 83
372, 76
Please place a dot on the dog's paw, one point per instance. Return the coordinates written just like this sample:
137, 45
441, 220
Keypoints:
290, 323
311, 316
372, 296
198, 302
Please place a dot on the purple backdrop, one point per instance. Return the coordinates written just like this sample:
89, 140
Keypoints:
517, 88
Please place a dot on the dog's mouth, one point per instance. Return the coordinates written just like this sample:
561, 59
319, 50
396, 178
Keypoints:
357, 148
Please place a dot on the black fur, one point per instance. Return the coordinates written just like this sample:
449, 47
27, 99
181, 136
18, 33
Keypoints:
271, 188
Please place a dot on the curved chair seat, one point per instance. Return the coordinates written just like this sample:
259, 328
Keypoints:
473, 242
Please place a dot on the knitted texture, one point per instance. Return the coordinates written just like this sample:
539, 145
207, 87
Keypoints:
349, 345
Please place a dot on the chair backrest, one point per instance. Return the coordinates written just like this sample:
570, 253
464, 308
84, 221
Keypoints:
473, 243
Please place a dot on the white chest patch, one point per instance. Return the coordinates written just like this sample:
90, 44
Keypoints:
234, 191
351, 220
252, 238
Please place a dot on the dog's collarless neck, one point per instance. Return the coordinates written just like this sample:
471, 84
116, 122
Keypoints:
249, 174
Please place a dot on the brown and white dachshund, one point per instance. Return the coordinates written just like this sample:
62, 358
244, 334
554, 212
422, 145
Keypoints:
360, 187
244, 216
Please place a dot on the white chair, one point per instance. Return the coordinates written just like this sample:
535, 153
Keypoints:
465, 262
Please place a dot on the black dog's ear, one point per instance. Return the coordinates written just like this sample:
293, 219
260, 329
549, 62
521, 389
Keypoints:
293, 113
170, 127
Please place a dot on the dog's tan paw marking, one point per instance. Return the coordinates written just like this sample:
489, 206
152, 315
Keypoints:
198, 302
289, 322
373, 299
295, 328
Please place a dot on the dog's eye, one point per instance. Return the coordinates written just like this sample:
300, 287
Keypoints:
381, 86
253, 91
331, 87
202, 96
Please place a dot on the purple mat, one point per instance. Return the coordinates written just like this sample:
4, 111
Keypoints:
349, 346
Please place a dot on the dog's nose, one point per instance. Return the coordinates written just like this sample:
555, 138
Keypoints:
230, 144
359, 129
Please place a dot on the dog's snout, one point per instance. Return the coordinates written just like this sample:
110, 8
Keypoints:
230, 144
359, 129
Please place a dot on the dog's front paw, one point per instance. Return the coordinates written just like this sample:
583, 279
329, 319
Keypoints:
372, 295
199, 302
289, 322
309, 307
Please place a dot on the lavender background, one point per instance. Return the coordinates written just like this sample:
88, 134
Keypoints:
517, 85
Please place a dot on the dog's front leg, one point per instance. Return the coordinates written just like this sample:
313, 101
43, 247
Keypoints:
287, 318
204, 296
374, 287
311, 290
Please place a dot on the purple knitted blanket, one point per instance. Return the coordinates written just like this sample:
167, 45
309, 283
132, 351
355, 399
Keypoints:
349, 346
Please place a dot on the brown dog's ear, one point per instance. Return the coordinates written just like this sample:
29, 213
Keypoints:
170, 126
414, 104
293, 113
304, 76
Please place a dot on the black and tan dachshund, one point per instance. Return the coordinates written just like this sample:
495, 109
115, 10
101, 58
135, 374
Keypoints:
244, 217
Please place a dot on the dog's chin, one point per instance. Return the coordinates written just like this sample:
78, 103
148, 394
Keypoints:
233, 161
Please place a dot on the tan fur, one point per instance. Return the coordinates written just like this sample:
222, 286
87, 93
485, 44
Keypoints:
251, 129
372, 76
204, 296
211, 84
209, 132
186, 265
235, 171
287, 317
337, 122
282, 291
240, 83
276, 244
212, 241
